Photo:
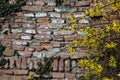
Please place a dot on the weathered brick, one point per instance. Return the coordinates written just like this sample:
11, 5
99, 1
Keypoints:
20, 14
29, 15
55, 44
19, 30
58, 21
6, 42
39, 2
18, 63
12, 62
18, 47
55, 65
26, 37
61, 65
18, 78
82, 3
51, 3
19, 72
73, 64
9, 53
25, 53
42, 14
64, 32
39, 48
9, 72
28, 25
79, 14
18, 20
48, 9
67, 65
64, 56
20, 42
30, 31
69, 75
77, 56
58, 38
43, 26
12, 36
24, 64
65, 9
44, 32
30, 64
29, 49
55, 15
4, 77
84, 21
31, 8
43, 20
58, 75
6, 66
39, 54
42, 37
113, 17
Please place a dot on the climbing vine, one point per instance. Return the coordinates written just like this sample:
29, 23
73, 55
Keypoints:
102, 59
10, 6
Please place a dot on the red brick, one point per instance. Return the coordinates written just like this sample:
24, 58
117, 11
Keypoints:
48, 9
113, 17
69, 75
22, 72
39, 48
82, 3
6, 42
12, 62
12, 36
4, 78
18, 20
58, 75
61, 65
18, 78
25, 54
20, 48
29, 49
18, 63
9, 72
55, 65
24, 65
67, 65
43, 20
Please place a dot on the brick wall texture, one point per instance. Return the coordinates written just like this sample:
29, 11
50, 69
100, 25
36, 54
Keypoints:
33, 33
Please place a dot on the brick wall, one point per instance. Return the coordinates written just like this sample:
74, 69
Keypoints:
31, 34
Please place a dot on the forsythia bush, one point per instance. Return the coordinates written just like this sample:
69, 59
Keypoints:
102, 60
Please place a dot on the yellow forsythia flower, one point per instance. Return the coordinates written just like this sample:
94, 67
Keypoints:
106, 78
